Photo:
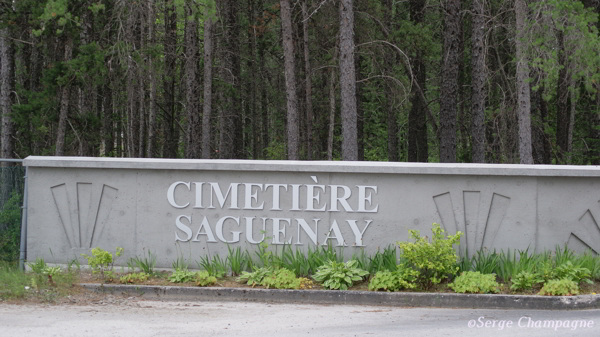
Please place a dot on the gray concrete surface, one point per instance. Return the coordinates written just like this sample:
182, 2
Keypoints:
194, 208
156, 318
367, 298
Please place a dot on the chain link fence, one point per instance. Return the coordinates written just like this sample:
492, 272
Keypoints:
12, 184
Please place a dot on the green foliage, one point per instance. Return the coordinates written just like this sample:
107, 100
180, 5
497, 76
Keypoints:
183, 276
562, 287
281, 279
576, 274
37, 267
215, 267
338, 275
144, 263
10, 235
475, 282
203, 279
296, 261
13, 282
435, 260
401, 278
237, 260
101, 261
525, 280
134, 278
255, 277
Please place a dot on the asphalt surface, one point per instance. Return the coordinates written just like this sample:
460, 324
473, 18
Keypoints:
141, 318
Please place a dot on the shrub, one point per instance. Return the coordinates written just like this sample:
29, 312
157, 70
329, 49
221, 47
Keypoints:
526, 280
475, 282
573, 273
102, 261
339, 275
256, 277
134, 278
401, 278
281, 279
562, 287
182, 275
435, 260
203, 279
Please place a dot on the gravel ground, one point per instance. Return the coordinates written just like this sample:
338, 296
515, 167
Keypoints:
87, 314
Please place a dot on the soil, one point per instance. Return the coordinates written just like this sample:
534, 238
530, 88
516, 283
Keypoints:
77, 295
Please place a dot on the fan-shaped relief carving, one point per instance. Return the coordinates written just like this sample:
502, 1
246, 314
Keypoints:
83, 217
480, 229
586, 235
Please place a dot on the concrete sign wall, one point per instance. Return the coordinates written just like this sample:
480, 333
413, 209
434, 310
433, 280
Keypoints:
198, 207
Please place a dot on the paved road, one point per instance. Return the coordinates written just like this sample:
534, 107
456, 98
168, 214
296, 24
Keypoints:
154, 318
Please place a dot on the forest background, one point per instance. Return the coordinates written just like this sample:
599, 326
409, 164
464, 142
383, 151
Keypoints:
415, 80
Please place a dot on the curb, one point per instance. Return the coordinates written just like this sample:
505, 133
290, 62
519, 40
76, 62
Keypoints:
333, 297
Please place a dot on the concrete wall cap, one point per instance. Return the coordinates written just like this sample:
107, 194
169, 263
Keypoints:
315, 166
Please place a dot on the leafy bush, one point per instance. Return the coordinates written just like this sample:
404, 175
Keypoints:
339, 275
401, 278
182, 275
203, 279
562, 287
526, 280
435, 260
475, 282
281, 279
10, 235
102, 261
256, 277
572, 272
134, 278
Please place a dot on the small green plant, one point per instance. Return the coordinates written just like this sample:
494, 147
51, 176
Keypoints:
179, 263
296, 261
338, 275
475, 282
215, 267
236, 260
525, 281
145, 264
281, 279
401, 278
436, 260
182, 276
101, 261
203, 279
574, 273
37, 267
134, 278
10, 234
562, 287
256, 277
383, 261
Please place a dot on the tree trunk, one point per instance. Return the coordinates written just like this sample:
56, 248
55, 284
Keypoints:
293, 132
7, 88
418, 147
64, 105
562, 100
308, 83
348, 82
151, 143
449, 90
478, 78
523, 91
191, 48
207, 107
331, 114
170, 121
392, 121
